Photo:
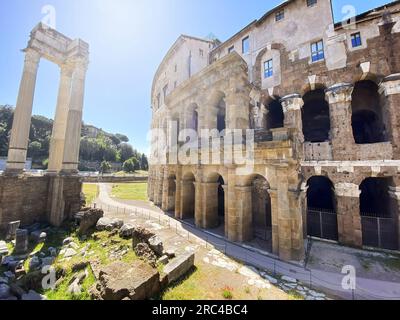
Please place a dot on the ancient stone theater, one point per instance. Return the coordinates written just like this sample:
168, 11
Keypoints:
323, 101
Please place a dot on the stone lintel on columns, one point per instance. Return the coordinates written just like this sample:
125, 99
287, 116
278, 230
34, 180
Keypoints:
344, 189
292, 102
340, 92
390, 85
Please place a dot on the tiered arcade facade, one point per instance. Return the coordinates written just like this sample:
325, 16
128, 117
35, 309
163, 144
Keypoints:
326, 122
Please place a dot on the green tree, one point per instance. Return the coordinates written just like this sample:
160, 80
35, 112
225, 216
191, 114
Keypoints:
144, 163
105, 167
126, 152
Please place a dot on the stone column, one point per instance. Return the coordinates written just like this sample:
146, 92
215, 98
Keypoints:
210, 205
339, 99
390, 88
293, 121
178, 193
231, 214
60, 121
348, 214
165, 192
275, 221
289, 217
245, 213
22, 116
158, 190
394, 193
198, 214
74, 119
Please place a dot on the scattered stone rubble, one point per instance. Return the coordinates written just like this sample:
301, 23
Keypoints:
116, 281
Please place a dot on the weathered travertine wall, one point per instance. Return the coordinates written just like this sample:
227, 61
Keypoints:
323, 113
28, 198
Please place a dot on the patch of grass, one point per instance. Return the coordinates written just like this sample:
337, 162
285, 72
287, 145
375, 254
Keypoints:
227, 293
294, 295
91, 192
188, 288
130, 191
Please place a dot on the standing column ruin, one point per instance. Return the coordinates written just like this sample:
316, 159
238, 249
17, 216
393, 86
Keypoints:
18, 147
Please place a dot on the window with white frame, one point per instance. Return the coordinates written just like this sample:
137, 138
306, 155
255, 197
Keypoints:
356, 40
317, 51
268, 69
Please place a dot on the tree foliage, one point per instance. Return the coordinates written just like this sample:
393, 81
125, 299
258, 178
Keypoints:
96, 144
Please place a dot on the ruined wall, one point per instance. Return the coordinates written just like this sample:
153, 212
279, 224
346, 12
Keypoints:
28, 198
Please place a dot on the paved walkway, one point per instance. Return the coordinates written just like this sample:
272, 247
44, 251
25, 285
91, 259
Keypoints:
329, 282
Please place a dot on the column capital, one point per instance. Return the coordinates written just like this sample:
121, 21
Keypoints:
344, 189
292, 102
390, 85
32, 58
66, 69
340, 92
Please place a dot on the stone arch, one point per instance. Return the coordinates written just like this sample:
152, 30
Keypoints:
258, 66
217, 115
379, 213
322, 221
274, 113
188, 197
216, 208
316, 116
367, 114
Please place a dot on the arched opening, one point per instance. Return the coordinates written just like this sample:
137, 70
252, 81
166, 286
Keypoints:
316, 121
275, 116
321, 212
171, 193
195, 121
378, 215
367, 121
188, 197
261, 213
221, 115
215, 217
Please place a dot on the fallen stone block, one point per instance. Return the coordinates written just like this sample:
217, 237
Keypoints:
126, 231
156, 245
33, 296
3, 248
38, 236
88, 219
21, 241
178, 267
136, 281
109, 224
12, 229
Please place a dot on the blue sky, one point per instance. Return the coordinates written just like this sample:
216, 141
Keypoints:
128, 39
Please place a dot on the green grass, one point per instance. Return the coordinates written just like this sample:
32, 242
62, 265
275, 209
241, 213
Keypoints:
294, 295
227, 293
130, 191
140, 173
91, 192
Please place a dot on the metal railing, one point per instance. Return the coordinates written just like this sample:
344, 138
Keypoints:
313, 279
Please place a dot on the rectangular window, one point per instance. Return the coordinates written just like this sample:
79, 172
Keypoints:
231, 49
356, 40
317, 51
268, 69
176, 68
311, 3
280, 15
246, 45
201, 53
